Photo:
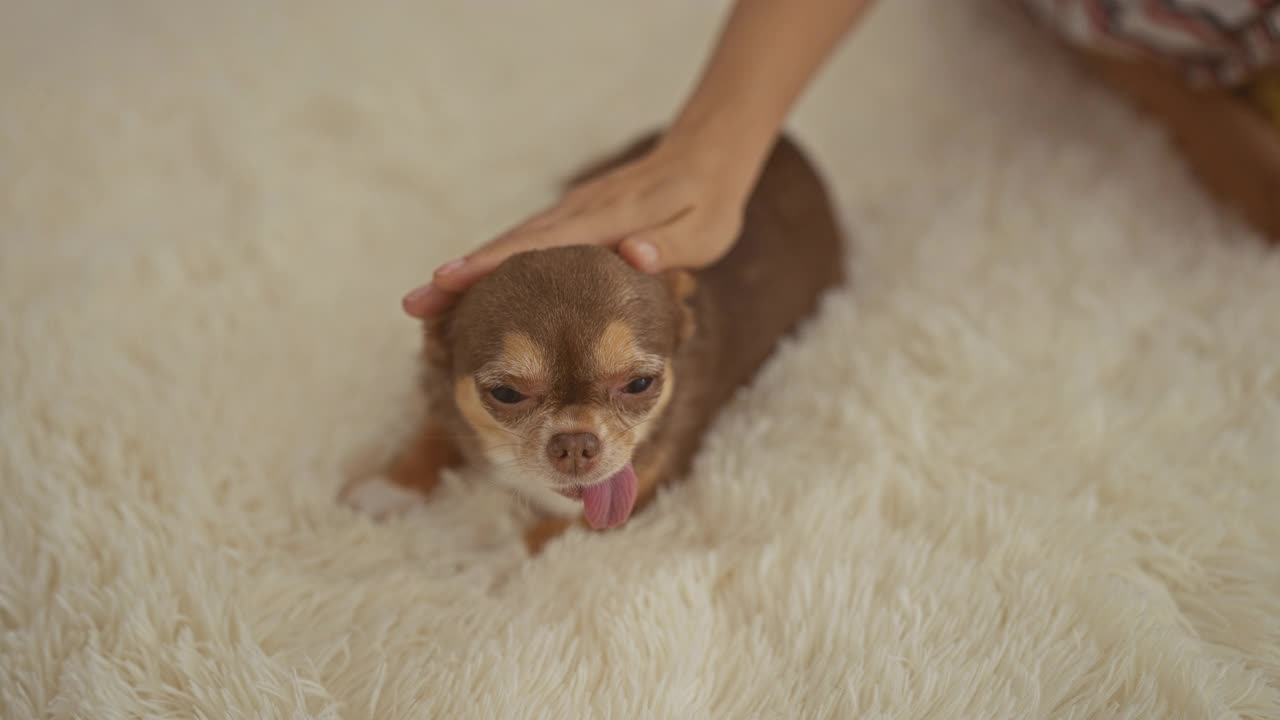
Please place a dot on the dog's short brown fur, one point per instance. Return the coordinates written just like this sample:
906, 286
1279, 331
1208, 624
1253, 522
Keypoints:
607, 365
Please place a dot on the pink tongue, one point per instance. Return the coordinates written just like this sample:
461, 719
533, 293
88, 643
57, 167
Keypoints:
608, 504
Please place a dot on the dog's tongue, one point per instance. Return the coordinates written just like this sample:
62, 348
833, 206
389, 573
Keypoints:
608, 504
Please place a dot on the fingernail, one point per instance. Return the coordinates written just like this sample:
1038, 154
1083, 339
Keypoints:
418, 302
417, 294
449, 267
644, 254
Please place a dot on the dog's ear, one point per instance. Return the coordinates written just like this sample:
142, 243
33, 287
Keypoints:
683, 287
435, 337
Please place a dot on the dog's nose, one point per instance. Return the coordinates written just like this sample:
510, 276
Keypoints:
573, 452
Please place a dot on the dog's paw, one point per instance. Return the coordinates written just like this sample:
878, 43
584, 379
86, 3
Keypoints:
544, 531
379, 498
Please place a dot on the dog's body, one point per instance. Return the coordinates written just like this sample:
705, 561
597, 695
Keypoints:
616, 373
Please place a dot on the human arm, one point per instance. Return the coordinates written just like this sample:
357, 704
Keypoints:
680, 204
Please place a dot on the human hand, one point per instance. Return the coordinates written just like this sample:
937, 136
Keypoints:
676, 206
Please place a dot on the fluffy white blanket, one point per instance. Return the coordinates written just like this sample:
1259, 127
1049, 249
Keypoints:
1027, 466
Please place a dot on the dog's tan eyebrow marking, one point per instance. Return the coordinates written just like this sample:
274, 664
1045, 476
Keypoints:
617, 351
648, 364
520, 358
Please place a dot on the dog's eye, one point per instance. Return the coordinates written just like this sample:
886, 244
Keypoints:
638, 385
506, 395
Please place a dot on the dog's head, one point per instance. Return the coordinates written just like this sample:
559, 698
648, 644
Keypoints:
561, 360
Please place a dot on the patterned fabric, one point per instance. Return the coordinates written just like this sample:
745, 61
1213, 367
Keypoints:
1212, 41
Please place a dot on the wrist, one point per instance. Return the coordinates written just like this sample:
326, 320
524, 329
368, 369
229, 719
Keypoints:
728, 140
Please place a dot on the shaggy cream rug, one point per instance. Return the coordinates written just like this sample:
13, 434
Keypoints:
1028, 466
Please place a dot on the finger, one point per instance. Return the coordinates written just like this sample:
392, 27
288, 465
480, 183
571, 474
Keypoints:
642, 250
658, 248
608, 195
654, 208
685, 242
427, 301
566, 206
600, 228
597, 222
461, 274
458, 275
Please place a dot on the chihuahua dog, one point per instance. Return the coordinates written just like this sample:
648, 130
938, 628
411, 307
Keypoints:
583, 384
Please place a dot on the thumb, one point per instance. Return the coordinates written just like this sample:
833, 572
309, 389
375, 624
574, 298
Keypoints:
651, 251
675, 246
643, 253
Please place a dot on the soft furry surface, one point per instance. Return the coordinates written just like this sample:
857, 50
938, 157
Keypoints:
1025, 467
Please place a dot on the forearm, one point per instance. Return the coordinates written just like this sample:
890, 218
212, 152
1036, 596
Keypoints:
766, 55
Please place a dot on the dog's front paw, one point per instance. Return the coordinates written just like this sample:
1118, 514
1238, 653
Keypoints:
379, 498
544, 531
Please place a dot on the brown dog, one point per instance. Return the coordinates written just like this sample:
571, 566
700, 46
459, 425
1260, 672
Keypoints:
584, 384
